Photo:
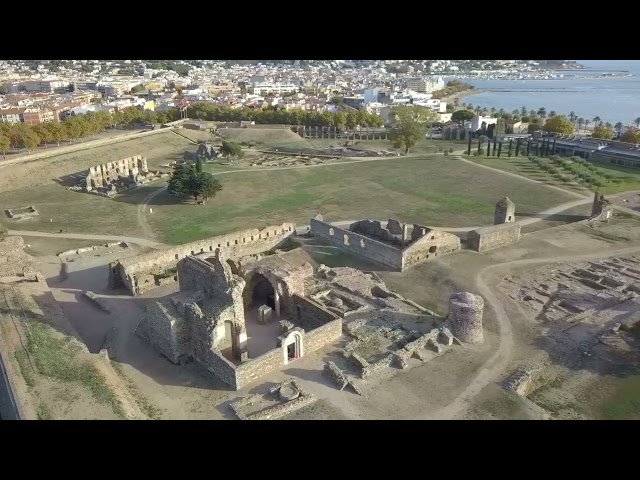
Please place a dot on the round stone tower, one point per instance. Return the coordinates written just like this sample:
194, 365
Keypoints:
465, 316
505, 212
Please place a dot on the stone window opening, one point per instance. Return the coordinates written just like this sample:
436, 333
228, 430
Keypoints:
219, 245
228, 244
252, 238
202, 250
192, 252
290, 229
236, 241
244, 240
211, 248
259, 236
432, 249
433, 237
346, 240
275, 232
331, 232
509, 219
267, 234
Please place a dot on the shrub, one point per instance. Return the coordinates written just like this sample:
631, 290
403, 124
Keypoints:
439, 149
3, 229
475, 154
446, 153
480, 151
451, 150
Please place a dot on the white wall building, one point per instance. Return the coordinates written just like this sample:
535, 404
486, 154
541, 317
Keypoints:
478, 120
264, 88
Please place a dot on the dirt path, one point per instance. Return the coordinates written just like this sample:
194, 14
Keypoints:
80, 236
499, 361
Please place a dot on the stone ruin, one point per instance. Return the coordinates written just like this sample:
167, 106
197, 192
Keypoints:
22, 213
602, 208
505, 212
400, 336
113, 177
207, 151
282, 399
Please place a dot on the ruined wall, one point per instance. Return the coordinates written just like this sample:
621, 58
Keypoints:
358, 244
465, 316
252, 370
322, 336
308, 314
165, 330
488, 238
432, 244
128, 168
245, 242
222, 368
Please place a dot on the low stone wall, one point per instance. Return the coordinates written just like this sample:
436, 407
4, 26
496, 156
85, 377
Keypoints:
358, 244
252, 370
222, 368
322, 336
130, 272
309, 314
496, 236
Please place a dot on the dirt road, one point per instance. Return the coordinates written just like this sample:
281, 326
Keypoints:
84, 236
495, 367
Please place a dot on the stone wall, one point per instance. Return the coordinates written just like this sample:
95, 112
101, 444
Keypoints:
432, 244
127, 168
322, 336
488, 238
309, 314
165, 330
360, 245
252, 370
222, 368
130, 272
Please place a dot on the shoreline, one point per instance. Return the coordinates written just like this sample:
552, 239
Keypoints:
461, 95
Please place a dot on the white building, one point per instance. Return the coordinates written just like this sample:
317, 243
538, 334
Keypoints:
264, 88
425, 85
478, 120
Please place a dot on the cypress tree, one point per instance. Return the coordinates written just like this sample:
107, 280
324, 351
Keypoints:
469, 148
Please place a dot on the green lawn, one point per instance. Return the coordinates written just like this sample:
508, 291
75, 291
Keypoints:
432, 190
630, 177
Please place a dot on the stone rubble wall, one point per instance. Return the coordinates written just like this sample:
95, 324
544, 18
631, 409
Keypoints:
162, 327
433, 244
312, 314
253, 369
129, 273
496, 236
322, 336
358, 244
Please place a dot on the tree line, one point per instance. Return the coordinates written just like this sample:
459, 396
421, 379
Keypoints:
74, 127
211, 112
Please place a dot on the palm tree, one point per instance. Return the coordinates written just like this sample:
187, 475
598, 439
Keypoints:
515, 112
572, 116
608, 125
637, 122
597, 120
552, 113
586, 123
464, 105
469, 106
580, 123
493, 110
542, 112
532, 113
524, 111
618, 126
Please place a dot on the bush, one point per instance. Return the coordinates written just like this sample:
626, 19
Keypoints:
439, 149
475, 154
480, 151
3, 229
446, 153
451, 150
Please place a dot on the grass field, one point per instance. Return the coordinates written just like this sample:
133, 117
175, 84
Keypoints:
433, 190
630, 177
158, 149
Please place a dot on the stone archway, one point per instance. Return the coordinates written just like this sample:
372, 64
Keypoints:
260, 290
292, 347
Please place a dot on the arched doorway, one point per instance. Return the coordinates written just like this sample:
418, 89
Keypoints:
292, 347
261, 292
